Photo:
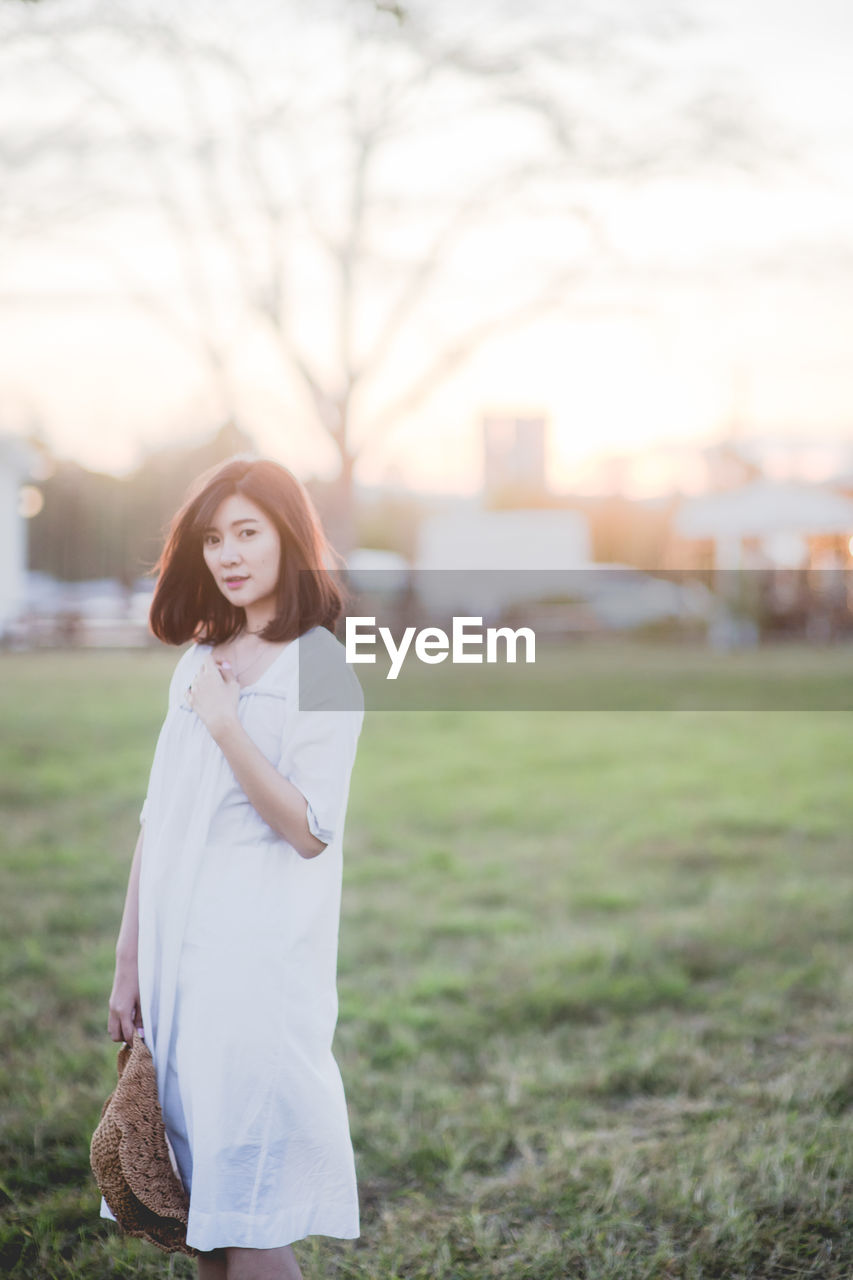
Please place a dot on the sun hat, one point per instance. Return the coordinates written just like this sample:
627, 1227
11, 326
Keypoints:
131, 1158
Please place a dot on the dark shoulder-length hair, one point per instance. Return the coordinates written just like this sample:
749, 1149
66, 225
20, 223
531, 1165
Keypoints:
187, 603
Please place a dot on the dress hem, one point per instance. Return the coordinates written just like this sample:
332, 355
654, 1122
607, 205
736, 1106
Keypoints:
235, 1231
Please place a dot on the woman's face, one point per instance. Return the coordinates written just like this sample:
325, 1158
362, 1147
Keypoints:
242, 550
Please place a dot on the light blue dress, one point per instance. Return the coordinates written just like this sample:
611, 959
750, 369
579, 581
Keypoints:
238, 943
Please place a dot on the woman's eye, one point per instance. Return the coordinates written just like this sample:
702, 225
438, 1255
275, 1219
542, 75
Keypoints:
250, 532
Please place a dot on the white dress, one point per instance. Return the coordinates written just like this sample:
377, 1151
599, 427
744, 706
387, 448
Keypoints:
238, 943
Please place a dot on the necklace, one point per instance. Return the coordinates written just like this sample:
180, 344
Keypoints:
251, 662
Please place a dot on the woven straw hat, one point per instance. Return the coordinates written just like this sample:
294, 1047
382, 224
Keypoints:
130, 1157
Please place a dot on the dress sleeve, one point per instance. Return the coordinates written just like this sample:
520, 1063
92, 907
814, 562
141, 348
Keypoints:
318, 749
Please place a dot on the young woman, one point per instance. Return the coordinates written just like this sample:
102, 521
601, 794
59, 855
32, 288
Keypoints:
227, 949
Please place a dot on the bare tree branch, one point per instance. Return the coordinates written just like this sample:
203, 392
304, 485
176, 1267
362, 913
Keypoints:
146, 146
240, 200
460, 349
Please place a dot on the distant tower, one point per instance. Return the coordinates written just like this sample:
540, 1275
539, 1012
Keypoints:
513, 458
727, 464
741, 395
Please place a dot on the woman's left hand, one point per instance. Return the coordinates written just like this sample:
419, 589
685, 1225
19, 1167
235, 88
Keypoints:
214, 695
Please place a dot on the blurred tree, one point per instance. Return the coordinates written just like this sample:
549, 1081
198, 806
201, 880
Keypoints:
347, 184
160, 484
80, 531
100, 526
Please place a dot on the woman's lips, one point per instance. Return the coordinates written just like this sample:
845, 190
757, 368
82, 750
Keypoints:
234, 582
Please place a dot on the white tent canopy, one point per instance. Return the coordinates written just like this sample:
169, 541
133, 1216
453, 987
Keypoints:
763, 509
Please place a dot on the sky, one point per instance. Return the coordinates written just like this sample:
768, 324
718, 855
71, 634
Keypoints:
722, 303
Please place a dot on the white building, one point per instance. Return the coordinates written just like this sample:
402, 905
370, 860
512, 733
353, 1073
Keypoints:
15, 464
482, 561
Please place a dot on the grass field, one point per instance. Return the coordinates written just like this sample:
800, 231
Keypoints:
595, 982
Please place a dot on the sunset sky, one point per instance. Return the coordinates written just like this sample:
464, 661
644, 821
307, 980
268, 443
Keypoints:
725, 297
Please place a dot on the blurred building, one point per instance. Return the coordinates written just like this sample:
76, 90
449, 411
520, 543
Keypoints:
506, 540
16, 460
482, 562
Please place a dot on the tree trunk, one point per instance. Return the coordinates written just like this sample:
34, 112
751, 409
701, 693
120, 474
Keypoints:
340, 520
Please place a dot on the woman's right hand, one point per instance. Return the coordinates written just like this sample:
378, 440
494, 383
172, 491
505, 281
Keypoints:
125, 1013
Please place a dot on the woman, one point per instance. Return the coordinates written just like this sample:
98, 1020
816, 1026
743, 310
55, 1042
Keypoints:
226, 955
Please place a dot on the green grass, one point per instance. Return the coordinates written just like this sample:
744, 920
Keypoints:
595, 982
622, 674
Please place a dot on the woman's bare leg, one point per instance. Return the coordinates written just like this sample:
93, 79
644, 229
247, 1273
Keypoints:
263, 1264
212, 1266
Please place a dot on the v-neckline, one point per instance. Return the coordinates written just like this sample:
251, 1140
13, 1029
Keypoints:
244, 688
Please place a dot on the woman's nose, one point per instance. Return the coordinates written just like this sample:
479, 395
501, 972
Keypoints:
230, 553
